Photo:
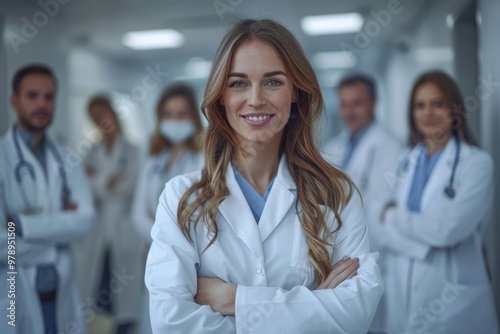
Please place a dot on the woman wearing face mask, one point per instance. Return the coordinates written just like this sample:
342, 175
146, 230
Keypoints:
174, 150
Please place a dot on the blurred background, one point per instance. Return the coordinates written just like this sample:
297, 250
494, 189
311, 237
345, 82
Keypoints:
89, 45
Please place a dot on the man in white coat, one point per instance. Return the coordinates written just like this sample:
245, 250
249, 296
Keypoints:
368, 154
45, 204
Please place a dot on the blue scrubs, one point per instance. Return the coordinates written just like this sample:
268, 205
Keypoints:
423, 170
254, 199
353, 143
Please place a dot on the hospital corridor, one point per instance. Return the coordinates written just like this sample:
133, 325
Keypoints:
249, 166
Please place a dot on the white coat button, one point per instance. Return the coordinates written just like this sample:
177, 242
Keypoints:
259, 271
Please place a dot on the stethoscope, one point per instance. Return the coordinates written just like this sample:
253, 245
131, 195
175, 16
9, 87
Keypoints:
25, 165
449, 190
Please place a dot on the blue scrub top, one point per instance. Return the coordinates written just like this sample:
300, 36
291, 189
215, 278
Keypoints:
423, 171
353, 143
255, 201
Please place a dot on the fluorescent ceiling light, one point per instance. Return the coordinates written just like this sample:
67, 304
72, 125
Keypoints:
434, 55
153, 39
332, 24
335, 59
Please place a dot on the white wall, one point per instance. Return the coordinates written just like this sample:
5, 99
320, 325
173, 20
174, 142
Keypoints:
490, 122
404, 67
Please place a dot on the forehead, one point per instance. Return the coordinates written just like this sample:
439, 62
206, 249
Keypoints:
37, 82
428, 90
256, 56
357, 89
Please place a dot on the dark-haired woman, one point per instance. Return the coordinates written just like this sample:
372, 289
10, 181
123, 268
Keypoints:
436, 276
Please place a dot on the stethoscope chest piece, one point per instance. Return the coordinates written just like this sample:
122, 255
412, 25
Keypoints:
449, 191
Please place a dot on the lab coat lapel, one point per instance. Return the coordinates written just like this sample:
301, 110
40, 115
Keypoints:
280, 199
441, 174
38, 195
238, 215
407, 176
54, 178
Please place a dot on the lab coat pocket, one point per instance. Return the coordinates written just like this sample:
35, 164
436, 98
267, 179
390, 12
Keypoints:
300, 271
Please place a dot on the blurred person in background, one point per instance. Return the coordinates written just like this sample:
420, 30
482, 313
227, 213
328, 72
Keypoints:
434, 227
112, 249
174, 150
45, 206
369, 155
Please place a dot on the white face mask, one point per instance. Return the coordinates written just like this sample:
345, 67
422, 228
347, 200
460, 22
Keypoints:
177, 131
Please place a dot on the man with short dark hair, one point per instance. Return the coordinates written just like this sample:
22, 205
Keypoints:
45, 205
368, 154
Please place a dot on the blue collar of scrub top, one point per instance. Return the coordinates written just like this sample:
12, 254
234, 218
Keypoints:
423, 171
354, 139
254, 199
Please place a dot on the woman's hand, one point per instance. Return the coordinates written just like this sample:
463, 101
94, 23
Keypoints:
389, 205
221, 296
344, 269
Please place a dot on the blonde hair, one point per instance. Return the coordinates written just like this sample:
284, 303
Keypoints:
317, 182
158, 143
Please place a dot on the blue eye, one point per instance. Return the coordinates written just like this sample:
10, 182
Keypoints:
237, 84
274, 83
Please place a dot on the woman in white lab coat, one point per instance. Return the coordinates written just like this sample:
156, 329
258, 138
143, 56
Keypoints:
110, 249
248, 244
436, 277
174, 150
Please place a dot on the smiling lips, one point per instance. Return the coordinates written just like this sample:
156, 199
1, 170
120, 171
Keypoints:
257, 119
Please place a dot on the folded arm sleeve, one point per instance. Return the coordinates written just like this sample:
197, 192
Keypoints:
171, 278
349, 308
461, 217
140, 218
63, 226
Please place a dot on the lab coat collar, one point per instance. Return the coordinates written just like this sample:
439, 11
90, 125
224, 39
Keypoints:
239, 217
441, 174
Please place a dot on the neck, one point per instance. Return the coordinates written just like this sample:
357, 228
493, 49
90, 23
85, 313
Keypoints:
435, 144
110, 140
37, 134
259, 165
356, 132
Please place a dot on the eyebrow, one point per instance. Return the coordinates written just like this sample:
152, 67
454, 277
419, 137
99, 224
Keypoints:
266, 75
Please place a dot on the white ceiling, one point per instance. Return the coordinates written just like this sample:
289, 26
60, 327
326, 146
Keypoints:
98, 25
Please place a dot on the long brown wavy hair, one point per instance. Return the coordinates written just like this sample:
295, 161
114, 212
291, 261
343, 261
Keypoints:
453, 99
319, 185
158, 143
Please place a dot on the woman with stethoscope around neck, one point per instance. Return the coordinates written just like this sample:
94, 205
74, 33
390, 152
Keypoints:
436, 278
174, 150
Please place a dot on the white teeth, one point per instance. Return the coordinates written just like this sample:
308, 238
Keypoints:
257, 118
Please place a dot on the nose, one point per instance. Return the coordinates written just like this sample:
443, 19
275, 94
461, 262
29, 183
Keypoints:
256, 98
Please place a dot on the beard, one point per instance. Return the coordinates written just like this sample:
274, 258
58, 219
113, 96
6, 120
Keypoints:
31, 126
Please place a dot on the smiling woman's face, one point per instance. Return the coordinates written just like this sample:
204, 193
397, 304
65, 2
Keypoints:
431, 112
258, 93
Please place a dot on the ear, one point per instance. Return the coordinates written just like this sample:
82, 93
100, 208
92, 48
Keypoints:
294, 95
221, 101
14, 101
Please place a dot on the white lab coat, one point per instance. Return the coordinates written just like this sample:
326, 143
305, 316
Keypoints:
436, 280
268, 261
113, 230
151, 183
372, 166
46, 238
